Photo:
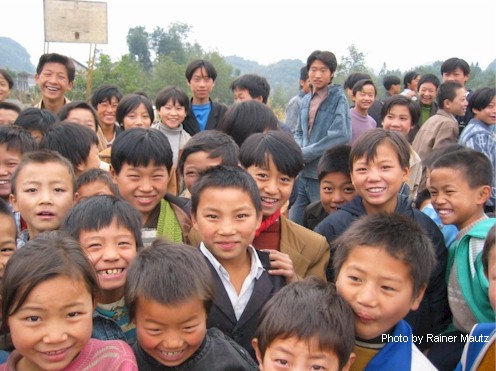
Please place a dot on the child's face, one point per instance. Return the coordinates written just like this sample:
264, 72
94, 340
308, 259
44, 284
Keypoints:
137, 118
196, 163
274, 186
42, 200
336, 189
488, 114
242, 95
170, 334
7, 116
319, 74
7, 240
53, 324
82, 116
92, 161
398, 119
453, 199
379, 180
458, 105
226, 220
142, 186
9, 159
364, 98
106, 111
172, 114
93, 189
201, 84
111, 250
4, 88
53, 81
379, 289
295, 354
427, 93
491, 276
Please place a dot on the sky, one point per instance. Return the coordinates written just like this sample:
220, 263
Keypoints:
402, 34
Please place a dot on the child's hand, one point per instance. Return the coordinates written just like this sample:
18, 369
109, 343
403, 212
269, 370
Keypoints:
281, 265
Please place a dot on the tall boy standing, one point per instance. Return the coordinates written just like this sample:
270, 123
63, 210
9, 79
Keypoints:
324, 122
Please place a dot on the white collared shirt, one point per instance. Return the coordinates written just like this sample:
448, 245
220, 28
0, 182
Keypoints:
240, 301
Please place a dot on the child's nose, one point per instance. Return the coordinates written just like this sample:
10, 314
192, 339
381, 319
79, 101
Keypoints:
271, 186
110, 253
56, 334
367, 296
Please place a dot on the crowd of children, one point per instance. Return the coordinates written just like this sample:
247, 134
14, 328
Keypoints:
215, 238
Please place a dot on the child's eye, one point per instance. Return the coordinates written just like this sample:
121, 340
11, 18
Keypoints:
361, 169
354, 278
211, 216
388, 288
93, 246
73, 314
242, 216
153, 331
285, 179
30, 190
7, 251
318, 367
124, 243
282, 362
189, 328
33, 319
59, 190
349, 190
328, 189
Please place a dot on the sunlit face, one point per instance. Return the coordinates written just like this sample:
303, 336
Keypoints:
294, 354
53, 81
137, 118
53, 324
226, 220
7, 240
106, 111
172, 114
336, 189
491, 276
201, 86
379, 289
42, 200
364, 98
7, 116
488, 114
379, 180
195, 164
111, 250
398, 119
82, 116
458, 105
427, 93
453, 199
9, 159
4, 88
243, 95
142, 186
93, 189
274, 186
456, 75
170, 334
319, 74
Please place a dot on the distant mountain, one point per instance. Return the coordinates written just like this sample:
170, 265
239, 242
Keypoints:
14, 56
283, 74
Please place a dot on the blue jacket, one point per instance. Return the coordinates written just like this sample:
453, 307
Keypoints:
105, 328
332, 126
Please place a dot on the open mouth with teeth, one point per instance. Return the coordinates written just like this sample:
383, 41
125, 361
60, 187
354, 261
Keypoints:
110, 272
171, 356
376, 190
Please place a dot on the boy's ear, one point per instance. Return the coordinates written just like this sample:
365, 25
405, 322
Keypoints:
13, 202
348, 364
483, 195
75, 198
113, 174
416, 301
258, 353
193, 221
406, 173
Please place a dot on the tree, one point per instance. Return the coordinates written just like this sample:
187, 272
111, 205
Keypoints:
353, 62
171, 43
137, 42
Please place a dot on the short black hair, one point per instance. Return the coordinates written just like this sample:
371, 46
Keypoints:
326, 57
489, 244
6, 75
226, 177
353, 78
167, 262
257, 85
172, 93
401, 237
98, 212
429, 77
245, 118
334, 160
10, 106
105, 93
481, 98
17, 139
67, 62
97, 175
277, 145
447, 90
390, 80
308, 309
475, 167
213, 142
130, 102
304, 73
71, 140
361, 83
401, 100
139, 147
409, 76
67, 108
200, 63
451, 64
33, 118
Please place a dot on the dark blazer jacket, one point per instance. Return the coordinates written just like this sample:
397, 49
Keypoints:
190, 123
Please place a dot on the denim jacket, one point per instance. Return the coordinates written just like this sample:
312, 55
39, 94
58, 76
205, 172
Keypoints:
332, 126
105, 328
